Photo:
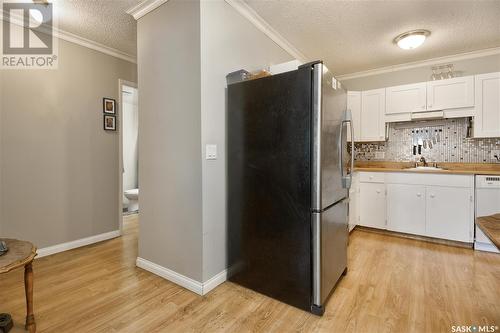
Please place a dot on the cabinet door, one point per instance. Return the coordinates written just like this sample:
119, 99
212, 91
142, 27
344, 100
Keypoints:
354, 202
487, 120
372, 205
373, 115
406, 98
449, 213
450, 93
354, 104
406, 208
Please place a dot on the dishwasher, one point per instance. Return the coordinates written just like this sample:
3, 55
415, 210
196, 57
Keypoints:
487, 203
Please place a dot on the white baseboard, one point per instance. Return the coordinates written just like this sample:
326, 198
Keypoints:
214, 281
47, 251
183, 281
487, 247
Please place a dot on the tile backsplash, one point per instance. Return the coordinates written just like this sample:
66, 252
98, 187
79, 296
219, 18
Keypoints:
453, 145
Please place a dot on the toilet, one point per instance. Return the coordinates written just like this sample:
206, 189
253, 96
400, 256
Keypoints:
133, 199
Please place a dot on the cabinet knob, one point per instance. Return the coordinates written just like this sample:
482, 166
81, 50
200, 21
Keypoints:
430, 105
419, 195
378, 191
432, 195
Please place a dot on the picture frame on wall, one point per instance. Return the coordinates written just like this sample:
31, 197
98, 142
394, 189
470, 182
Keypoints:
108, 105
109, 123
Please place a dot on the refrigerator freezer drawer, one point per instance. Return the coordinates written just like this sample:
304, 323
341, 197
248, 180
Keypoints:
330, 233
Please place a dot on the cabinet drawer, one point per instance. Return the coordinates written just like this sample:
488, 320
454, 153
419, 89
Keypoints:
372, 177
431, 179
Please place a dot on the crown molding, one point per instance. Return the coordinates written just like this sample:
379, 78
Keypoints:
251, 15
422, 63
75, 39
144, 7
90, 44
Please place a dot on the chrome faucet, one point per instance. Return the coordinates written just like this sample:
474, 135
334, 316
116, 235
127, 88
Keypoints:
422, 159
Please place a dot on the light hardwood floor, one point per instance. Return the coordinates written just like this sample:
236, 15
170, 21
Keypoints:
393, 285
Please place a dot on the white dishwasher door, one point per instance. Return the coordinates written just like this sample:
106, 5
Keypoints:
487, 203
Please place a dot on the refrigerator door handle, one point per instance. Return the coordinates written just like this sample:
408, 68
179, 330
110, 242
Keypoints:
346, 178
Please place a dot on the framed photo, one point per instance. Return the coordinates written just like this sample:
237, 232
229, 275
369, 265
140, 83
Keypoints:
109, 123
109, 105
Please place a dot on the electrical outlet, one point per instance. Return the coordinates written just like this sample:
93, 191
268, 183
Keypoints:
379, 155
495, 155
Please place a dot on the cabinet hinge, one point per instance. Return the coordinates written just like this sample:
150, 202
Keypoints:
471, 199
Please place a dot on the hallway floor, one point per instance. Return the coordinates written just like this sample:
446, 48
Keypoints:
393, 285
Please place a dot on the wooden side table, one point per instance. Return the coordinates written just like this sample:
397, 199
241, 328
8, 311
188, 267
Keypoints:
21, 253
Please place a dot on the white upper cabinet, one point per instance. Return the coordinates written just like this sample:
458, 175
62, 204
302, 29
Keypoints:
406, 98
487, 120
450, 93
373, 115
354, 104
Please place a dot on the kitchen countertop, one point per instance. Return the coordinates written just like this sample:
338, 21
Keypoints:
448, 168
490, 225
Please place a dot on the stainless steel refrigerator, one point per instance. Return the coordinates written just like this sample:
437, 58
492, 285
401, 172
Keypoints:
288, 180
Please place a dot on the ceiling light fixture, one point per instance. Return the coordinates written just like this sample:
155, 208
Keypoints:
411, 39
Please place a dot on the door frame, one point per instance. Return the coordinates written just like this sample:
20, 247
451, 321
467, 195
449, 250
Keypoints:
121, 83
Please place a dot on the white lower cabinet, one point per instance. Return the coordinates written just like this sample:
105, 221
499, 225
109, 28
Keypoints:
372, 205
406, 208
433, 205
354, 202
449, 213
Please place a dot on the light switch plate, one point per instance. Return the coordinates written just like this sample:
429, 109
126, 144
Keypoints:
379, 155
211, 152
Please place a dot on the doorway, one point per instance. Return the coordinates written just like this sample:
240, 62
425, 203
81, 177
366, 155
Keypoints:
128, 170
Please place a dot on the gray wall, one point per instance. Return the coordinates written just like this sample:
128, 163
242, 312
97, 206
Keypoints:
170, 232
58, 167
420, 74
228, 42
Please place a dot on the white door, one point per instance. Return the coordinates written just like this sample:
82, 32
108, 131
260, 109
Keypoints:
406, 98
373, 115
487, 120
450, 93
406, 208
449, 213
354, 104
372, 205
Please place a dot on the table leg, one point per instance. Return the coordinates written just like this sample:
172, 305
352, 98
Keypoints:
28, 287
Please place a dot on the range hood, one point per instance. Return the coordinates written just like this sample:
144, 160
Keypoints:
439, 114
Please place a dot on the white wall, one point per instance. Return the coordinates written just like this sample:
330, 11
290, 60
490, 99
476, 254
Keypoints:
229, 42
59, 178
130, 123
421, 74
